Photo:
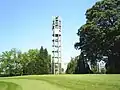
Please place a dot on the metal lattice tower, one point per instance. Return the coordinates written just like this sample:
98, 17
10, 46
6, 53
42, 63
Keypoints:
56, 40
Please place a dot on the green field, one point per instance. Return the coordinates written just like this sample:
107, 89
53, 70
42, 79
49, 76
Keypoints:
61, 82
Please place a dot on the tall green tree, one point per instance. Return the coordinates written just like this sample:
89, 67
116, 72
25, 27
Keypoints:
71, 66
30, 60
100, 36
44, 61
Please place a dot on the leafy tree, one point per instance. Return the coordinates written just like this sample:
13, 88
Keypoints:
100, 36
44, 61
16, 58
71, 66
41, 52
24, 62
30, 60
45, 52
10, 65
39, 62
49, 63
31, 68
7, 66
78, 65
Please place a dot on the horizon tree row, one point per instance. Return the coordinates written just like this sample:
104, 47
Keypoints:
32, 62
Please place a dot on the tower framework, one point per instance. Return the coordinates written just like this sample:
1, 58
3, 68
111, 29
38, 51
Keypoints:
56, 45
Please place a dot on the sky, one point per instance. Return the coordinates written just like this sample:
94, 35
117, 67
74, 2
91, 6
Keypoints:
27, 24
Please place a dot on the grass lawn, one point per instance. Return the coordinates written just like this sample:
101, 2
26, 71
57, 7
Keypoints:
61, 82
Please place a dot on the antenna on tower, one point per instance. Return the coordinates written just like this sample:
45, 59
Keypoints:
56, 45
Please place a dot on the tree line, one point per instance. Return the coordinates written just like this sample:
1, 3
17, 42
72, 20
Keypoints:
32, 62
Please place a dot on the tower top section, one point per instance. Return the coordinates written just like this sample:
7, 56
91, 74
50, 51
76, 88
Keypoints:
56, 18
56, 25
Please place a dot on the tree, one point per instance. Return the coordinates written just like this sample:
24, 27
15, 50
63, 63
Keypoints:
24, 62
101, 34
39, 62
41, 52
16, 58
71, 66
30, 61
10, 64
44, 60
78, 66
82, 66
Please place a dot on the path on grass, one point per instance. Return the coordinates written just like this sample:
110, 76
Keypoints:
25, 84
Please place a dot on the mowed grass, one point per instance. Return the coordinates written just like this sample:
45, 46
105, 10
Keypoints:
9, 86
61, 82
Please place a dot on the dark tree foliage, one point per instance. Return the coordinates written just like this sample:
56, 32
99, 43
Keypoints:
82, 66
78, 66
101, 34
